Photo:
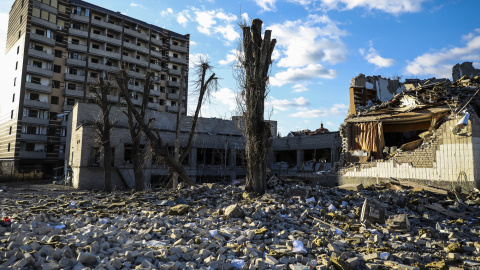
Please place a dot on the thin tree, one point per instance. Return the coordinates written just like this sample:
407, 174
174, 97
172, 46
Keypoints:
137, 156
101, 89
178, 126
206, 83
252, 73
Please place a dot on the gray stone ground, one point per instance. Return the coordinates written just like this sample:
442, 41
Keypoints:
294, 226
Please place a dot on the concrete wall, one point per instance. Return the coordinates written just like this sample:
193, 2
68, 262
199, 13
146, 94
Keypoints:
440, 160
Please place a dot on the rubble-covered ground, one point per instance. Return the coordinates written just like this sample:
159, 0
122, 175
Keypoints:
210, 226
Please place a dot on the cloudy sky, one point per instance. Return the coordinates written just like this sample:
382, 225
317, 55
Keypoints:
321, 45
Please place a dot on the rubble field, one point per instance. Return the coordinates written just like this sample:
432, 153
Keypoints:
211, 226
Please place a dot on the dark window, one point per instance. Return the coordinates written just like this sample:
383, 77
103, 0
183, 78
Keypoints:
125, 53
162, 89
175, 55
162, 76
36, 80
11, 115
33, 113
59, 38
29, 147
55, 84
51, 131
10, 131
75, 41
13, 98
37, 64
18, 49
72, 71
96, 32
154, 36
57, 68
16, 66
34, 96
109, 49
54, 100
97, 18
70, 101
162, 102
95, 46
15, 81
94, 60
38, 48
8, 147
51, 147
19, 34
72, 86
58, 53
138, 56
52, 116
93, 75
40, 32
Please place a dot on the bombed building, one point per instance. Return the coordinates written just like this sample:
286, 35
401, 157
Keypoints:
430, 132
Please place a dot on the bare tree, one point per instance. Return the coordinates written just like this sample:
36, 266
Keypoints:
137, 156
101, 89
159, 147
252, 73
178, 126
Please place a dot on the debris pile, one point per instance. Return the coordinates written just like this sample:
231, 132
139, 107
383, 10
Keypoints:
294, 226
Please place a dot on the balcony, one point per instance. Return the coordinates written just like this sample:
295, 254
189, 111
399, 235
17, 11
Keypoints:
156, 67
173, 96
38, 87
135, 74
154, 106
67, 107
35, 120
104, 53
102, 67
156, 54
176, 72
74, 93
157, 42
172, 109
176, 48
107, 25
45, 7
42, 39
43, 23
136, 34
76, 62
103, 38
36, 104
79, 18
41, 54
179, 60
136, 47
32, 154
78, 32
77, 47
155, 93
173, 84
138, 88
74, 77
135, 61
39, 71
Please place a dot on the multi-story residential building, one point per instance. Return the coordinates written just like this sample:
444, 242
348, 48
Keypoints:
55, 48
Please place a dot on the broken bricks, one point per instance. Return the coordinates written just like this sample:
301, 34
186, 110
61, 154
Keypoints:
373, 212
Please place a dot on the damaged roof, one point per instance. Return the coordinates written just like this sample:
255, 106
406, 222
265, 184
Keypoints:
420, 102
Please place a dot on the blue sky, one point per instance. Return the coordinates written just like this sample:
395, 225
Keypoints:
321, 46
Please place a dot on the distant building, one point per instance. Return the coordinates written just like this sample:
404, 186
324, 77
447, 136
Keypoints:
55, 48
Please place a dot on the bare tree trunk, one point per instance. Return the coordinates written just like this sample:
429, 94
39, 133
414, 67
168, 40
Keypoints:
137, 157
257, 53
178, 128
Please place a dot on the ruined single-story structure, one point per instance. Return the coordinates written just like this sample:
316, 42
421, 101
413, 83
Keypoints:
218, 151
428, 133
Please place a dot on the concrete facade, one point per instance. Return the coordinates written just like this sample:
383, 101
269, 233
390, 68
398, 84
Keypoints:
55, 48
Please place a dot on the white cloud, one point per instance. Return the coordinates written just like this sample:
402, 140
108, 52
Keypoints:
391, 6
211, 22
285, 104
309, 41
335, 110
136, 5
166, 12
266, 5
193, 43
439, 63
226, 96
245, 17
373, 57
183, 18
231, 57
195, 59
300, 87
302, 74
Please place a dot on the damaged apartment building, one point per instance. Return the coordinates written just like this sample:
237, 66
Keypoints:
217, 154
423, 130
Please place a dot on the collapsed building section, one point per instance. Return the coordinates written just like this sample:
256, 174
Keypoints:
428, 133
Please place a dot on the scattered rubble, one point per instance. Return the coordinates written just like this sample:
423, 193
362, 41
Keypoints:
293, 226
